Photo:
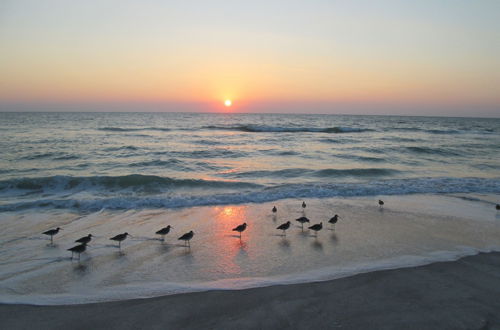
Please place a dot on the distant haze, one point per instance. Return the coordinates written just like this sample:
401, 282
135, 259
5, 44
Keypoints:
351, 57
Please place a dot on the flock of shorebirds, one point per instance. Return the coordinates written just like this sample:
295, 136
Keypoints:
83, 242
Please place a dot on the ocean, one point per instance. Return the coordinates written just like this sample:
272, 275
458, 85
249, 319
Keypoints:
106, 173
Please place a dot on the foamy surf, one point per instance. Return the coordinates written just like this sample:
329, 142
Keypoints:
408, 231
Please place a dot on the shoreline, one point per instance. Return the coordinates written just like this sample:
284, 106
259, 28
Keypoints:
411, 231
452, 294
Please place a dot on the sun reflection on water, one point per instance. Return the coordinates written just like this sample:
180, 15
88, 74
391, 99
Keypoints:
230, 251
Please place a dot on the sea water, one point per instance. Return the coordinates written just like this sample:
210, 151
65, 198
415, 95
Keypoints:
107, 173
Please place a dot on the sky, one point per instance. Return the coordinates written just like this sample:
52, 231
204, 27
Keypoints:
422, 57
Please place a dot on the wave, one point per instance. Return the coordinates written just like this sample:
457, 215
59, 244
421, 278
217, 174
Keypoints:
133, 129
260, 194
362, 158
324, 173
424, 130
121, 148
278, 129
135, 181
158, 289
433, 151
205, 154
50, 155
162, 163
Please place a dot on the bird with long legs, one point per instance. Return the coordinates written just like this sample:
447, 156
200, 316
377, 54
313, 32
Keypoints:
164, 231
302, 221
186, 238
333, 220
120, 238
51, 233
79, 249
241, 228
304, 205
284, 227
85, 239
317, 227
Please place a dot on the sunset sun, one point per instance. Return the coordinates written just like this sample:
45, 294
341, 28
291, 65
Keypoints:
228, 103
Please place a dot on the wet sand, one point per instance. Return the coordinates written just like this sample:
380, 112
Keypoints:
462, 294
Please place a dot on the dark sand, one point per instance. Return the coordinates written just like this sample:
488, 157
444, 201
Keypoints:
464, 294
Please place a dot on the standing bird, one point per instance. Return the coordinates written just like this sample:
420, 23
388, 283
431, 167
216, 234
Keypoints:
51, 233
119, 238
78, 249
241, 228
284, 227
334, 220
497, 207
164, 231
304, 205
302, 220
380, 203
275, 209
85, 239
317, 227
186, 238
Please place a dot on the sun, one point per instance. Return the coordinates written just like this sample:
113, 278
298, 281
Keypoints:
228, 103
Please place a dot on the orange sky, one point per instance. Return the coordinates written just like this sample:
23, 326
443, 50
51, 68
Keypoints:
442, 55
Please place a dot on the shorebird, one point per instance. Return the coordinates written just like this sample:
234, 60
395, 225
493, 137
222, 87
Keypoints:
164, 231
187, 237
334, 220
380, 203
317, 227
51, 233
85, 239
241, 228
275, 209
119, 238
302, 220
304, 205
78, 249
497, 207
284, 227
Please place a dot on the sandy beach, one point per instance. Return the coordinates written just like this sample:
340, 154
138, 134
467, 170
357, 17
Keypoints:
461, 294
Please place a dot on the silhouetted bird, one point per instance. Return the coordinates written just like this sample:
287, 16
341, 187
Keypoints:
85, 239
334, 220
164, 231
51, 233
284, 227
187, 237
317, 227
78, 249
380, 203
304, 205
241, 228
275, 209
498, 207
302, 220
119, 238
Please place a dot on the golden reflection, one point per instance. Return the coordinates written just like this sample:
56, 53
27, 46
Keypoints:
229, 250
